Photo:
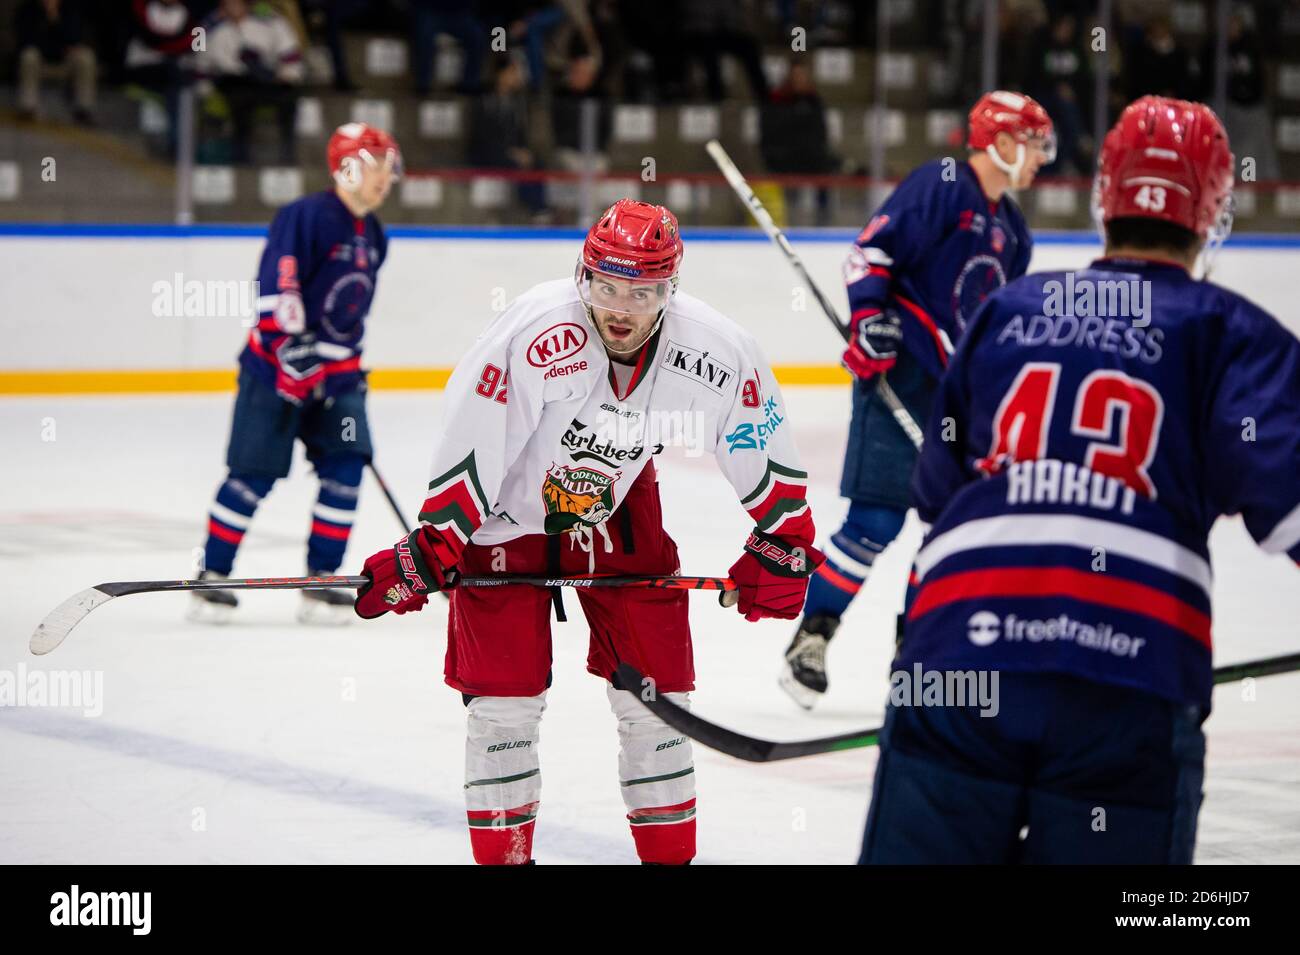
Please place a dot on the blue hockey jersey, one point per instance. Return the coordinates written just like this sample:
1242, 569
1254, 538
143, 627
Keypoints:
318, 251
932, 253
1075, 462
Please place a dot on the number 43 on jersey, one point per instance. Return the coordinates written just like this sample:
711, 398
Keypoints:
1118, 414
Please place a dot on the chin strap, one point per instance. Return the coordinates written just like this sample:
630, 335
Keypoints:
1012, 170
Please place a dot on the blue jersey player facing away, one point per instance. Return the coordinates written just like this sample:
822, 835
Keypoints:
948, 236
1104, 420
300, 375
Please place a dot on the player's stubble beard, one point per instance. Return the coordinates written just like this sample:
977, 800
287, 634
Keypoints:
624, 349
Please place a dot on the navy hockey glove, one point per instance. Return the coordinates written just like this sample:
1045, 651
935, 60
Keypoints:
873, 344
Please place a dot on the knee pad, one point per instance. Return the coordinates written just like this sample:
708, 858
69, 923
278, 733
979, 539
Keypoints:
867, 530
249, 487
501, 764
655, 762
503, 784
341, 468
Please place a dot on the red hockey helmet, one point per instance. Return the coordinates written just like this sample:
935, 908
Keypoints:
355, 143
1167, 159
635, 240
1021, 117
629, 262
1004, 112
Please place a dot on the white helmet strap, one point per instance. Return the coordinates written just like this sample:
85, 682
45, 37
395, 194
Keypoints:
350, 167
1012, 170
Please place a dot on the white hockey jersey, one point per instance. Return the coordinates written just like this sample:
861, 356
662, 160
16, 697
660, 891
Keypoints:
539, 435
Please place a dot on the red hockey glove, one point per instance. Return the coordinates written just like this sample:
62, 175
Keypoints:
873, 344
401, 578
772, 576
300, 372
298, 390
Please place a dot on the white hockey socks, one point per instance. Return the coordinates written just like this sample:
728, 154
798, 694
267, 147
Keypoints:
503, 781
657, 774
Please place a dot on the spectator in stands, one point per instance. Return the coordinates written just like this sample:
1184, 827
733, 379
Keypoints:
1159, 65
457, 19
158, 52
336, 14
52, 45
1058, 79
577, 97
499, 134
542, 24
714, 27
602, 33
1246, 113
656, 70
254, 60
793, 138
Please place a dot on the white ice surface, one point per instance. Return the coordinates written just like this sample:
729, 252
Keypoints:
240, 744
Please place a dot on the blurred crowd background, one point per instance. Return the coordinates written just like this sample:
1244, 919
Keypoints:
539, 111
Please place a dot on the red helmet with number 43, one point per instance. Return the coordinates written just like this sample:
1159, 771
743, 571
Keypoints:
1167, 159
355, 143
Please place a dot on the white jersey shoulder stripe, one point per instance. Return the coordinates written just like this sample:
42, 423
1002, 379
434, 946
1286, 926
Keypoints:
1285, 536
1068, 530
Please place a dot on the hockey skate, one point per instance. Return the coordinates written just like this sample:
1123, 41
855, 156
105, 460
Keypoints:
211, 606
804, 676
326, 608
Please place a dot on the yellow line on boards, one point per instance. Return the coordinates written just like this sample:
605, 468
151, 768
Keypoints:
200, 380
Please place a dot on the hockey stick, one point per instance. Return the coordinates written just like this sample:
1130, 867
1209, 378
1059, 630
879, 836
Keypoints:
58, 623
756, 750
737, 181
392, 501
636, 581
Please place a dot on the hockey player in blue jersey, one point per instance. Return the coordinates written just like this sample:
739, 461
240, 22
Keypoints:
1090, 429
945, 238
300, 373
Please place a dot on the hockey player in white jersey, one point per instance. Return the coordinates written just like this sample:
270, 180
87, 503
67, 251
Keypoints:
545, 466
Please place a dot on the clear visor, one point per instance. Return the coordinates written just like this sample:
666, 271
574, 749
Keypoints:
1044, 144
622, 295
390, 160
1218, 234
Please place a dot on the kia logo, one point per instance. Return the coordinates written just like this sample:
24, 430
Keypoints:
556, 344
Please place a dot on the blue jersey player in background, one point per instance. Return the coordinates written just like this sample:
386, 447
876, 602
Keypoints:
300, 373
945, 238
1104, 420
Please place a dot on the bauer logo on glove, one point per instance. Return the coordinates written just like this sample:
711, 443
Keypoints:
795, 559
772, 577
407, 561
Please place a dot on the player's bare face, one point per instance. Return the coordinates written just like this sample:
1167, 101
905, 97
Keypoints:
624, 311
376, 181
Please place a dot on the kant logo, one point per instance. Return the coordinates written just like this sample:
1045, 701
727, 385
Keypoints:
576, 495
556, 344
692, 363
